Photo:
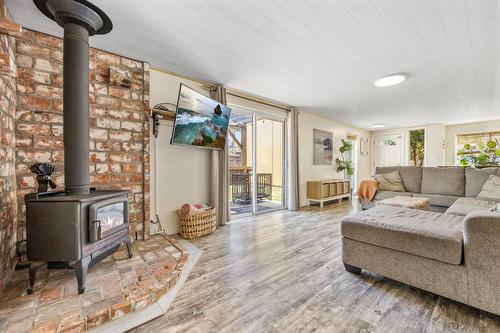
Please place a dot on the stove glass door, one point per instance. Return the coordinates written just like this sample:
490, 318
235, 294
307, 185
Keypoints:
111, 216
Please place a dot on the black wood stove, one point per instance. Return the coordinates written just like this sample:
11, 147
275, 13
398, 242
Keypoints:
80, 226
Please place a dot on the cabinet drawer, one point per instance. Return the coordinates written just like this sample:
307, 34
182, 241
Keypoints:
340, 188
346, 187
333, 189
326, 190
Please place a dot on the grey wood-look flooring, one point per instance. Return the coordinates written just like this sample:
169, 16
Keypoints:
282, 272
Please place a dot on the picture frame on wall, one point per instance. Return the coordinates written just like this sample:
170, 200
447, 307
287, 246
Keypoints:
322, 147
364, 146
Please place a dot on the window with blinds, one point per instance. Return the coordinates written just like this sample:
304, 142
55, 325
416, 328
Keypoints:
473, 148
476, 139
352, 137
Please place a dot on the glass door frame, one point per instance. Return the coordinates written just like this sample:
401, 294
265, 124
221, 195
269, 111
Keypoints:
284, 168
256, 116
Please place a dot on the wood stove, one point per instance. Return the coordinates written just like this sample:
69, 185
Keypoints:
80, 226
75, 230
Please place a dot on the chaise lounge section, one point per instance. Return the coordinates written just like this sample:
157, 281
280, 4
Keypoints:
454, 256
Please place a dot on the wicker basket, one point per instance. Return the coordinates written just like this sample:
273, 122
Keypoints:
198, 225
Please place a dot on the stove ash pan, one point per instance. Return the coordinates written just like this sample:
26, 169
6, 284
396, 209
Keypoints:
75, 231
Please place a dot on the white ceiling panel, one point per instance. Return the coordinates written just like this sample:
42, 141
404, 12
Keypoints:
320, 55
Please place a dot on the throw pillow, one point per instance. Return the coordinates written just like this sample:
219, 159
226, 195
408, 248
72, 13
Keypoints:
491, 189
390, 182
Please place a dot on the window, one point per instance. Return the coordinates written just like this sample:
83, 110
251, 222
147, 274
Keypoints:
352, 155
478, 149
417, 147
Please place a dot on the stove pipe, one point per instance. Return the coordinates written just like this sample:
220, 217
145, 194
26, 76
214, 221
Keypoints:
79, 19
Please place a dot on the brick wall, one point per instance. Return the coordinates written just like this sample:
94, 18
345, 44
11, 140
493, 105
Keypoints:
8, 202
119, 140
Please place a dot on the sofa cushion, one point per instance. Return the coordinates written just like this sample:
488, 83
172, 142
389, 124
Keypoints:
421, 233
410, 175
475, 179
389, 181
382, 195
464, 206
447, 181
491, 189
438, 199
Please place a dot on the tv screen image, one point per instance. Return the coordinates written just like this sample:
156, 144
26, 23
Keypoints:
200, 121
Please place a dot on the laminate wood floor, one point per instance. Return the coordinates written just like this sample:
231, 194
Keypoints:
282, 272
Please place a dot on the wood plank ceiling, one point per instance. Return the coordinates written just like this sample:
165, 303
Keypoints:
320, 55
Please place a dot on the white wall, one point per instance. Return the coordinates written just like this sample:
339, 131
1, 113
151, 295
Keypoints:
434, 143
440, 140
307, 171
451, 132
182, 173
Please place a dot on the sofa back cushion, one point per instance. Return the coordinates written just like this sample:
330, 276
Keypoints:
491, 189
475, 179
410, 175
447, 181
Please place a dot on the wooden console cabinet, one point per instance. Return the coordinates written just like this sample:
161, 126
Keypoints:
326, 190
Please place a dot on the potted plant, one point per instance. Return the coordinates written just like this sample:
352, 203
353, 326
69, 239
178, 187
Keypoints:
481, 156
343, 164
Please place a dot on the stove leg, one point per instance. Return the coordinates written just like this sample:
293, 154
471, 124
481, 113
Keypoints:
81, 268
32, 273
128, 242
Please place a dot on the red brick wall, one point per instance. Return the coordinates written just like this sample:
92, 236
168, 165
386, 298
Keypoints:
119, 145
8, 202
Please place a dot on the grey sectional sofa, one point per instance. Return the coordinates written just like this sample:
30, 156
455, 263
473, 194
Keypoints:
443, 186
454, 254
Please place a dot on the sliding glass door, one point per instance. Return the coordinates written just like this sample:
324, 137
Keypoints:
240, 162
256, 163
269, 164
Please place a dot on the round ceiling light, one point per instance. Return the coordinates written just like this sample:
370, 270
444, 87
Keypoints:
390, 80
377, 125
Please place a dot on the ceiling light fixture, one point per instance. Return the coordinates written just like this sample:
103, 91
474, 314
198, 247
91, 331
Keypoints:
390, 80
377, 125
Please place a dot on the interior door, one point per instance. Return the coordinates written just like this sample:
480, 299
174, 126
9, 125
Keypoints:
388, 150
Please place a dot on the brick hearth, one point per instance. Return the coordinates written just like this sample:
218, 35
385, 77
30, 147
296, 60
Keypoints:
115, 287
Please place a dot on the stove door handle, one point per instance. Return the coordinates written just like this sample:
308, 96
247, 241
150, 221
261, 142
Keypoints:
95, 231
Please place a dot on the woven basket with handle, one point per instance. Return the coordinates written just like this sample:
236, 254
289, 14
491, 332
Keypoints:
198, 225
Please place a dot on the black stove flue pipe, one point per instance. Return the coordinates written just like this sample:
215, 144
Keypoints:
79, 19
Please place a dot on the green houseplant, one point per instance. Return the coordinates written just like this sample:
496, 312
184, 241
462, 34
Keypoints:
481, 156
343, 164
417, 147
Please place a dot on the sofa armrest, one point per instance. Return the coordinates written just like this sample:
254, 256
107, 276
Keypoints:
482, 235
482, 259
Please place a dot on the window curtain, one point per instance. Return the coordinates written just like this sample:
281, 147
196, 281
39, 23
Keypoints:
219, 171
293, 159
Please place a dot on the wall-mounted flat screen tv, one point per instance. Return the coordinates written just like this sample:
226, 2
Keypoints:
200, 121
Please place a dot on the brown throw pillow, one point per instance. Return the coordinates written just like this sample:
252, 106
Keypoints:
390, 182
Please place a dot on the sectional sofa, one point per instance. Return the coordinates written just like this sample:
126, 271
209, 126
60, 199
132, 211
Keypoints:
443, 186
455, 254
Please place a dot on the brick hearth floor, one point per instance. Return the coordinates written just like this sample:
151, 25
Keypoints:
116, 287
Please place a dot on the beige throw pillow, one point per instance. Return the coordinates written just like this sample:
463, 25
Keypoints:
390, 182
491, 189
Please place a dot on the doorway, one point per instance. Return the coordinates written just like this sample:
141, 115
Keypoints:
256, 148
388, 150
